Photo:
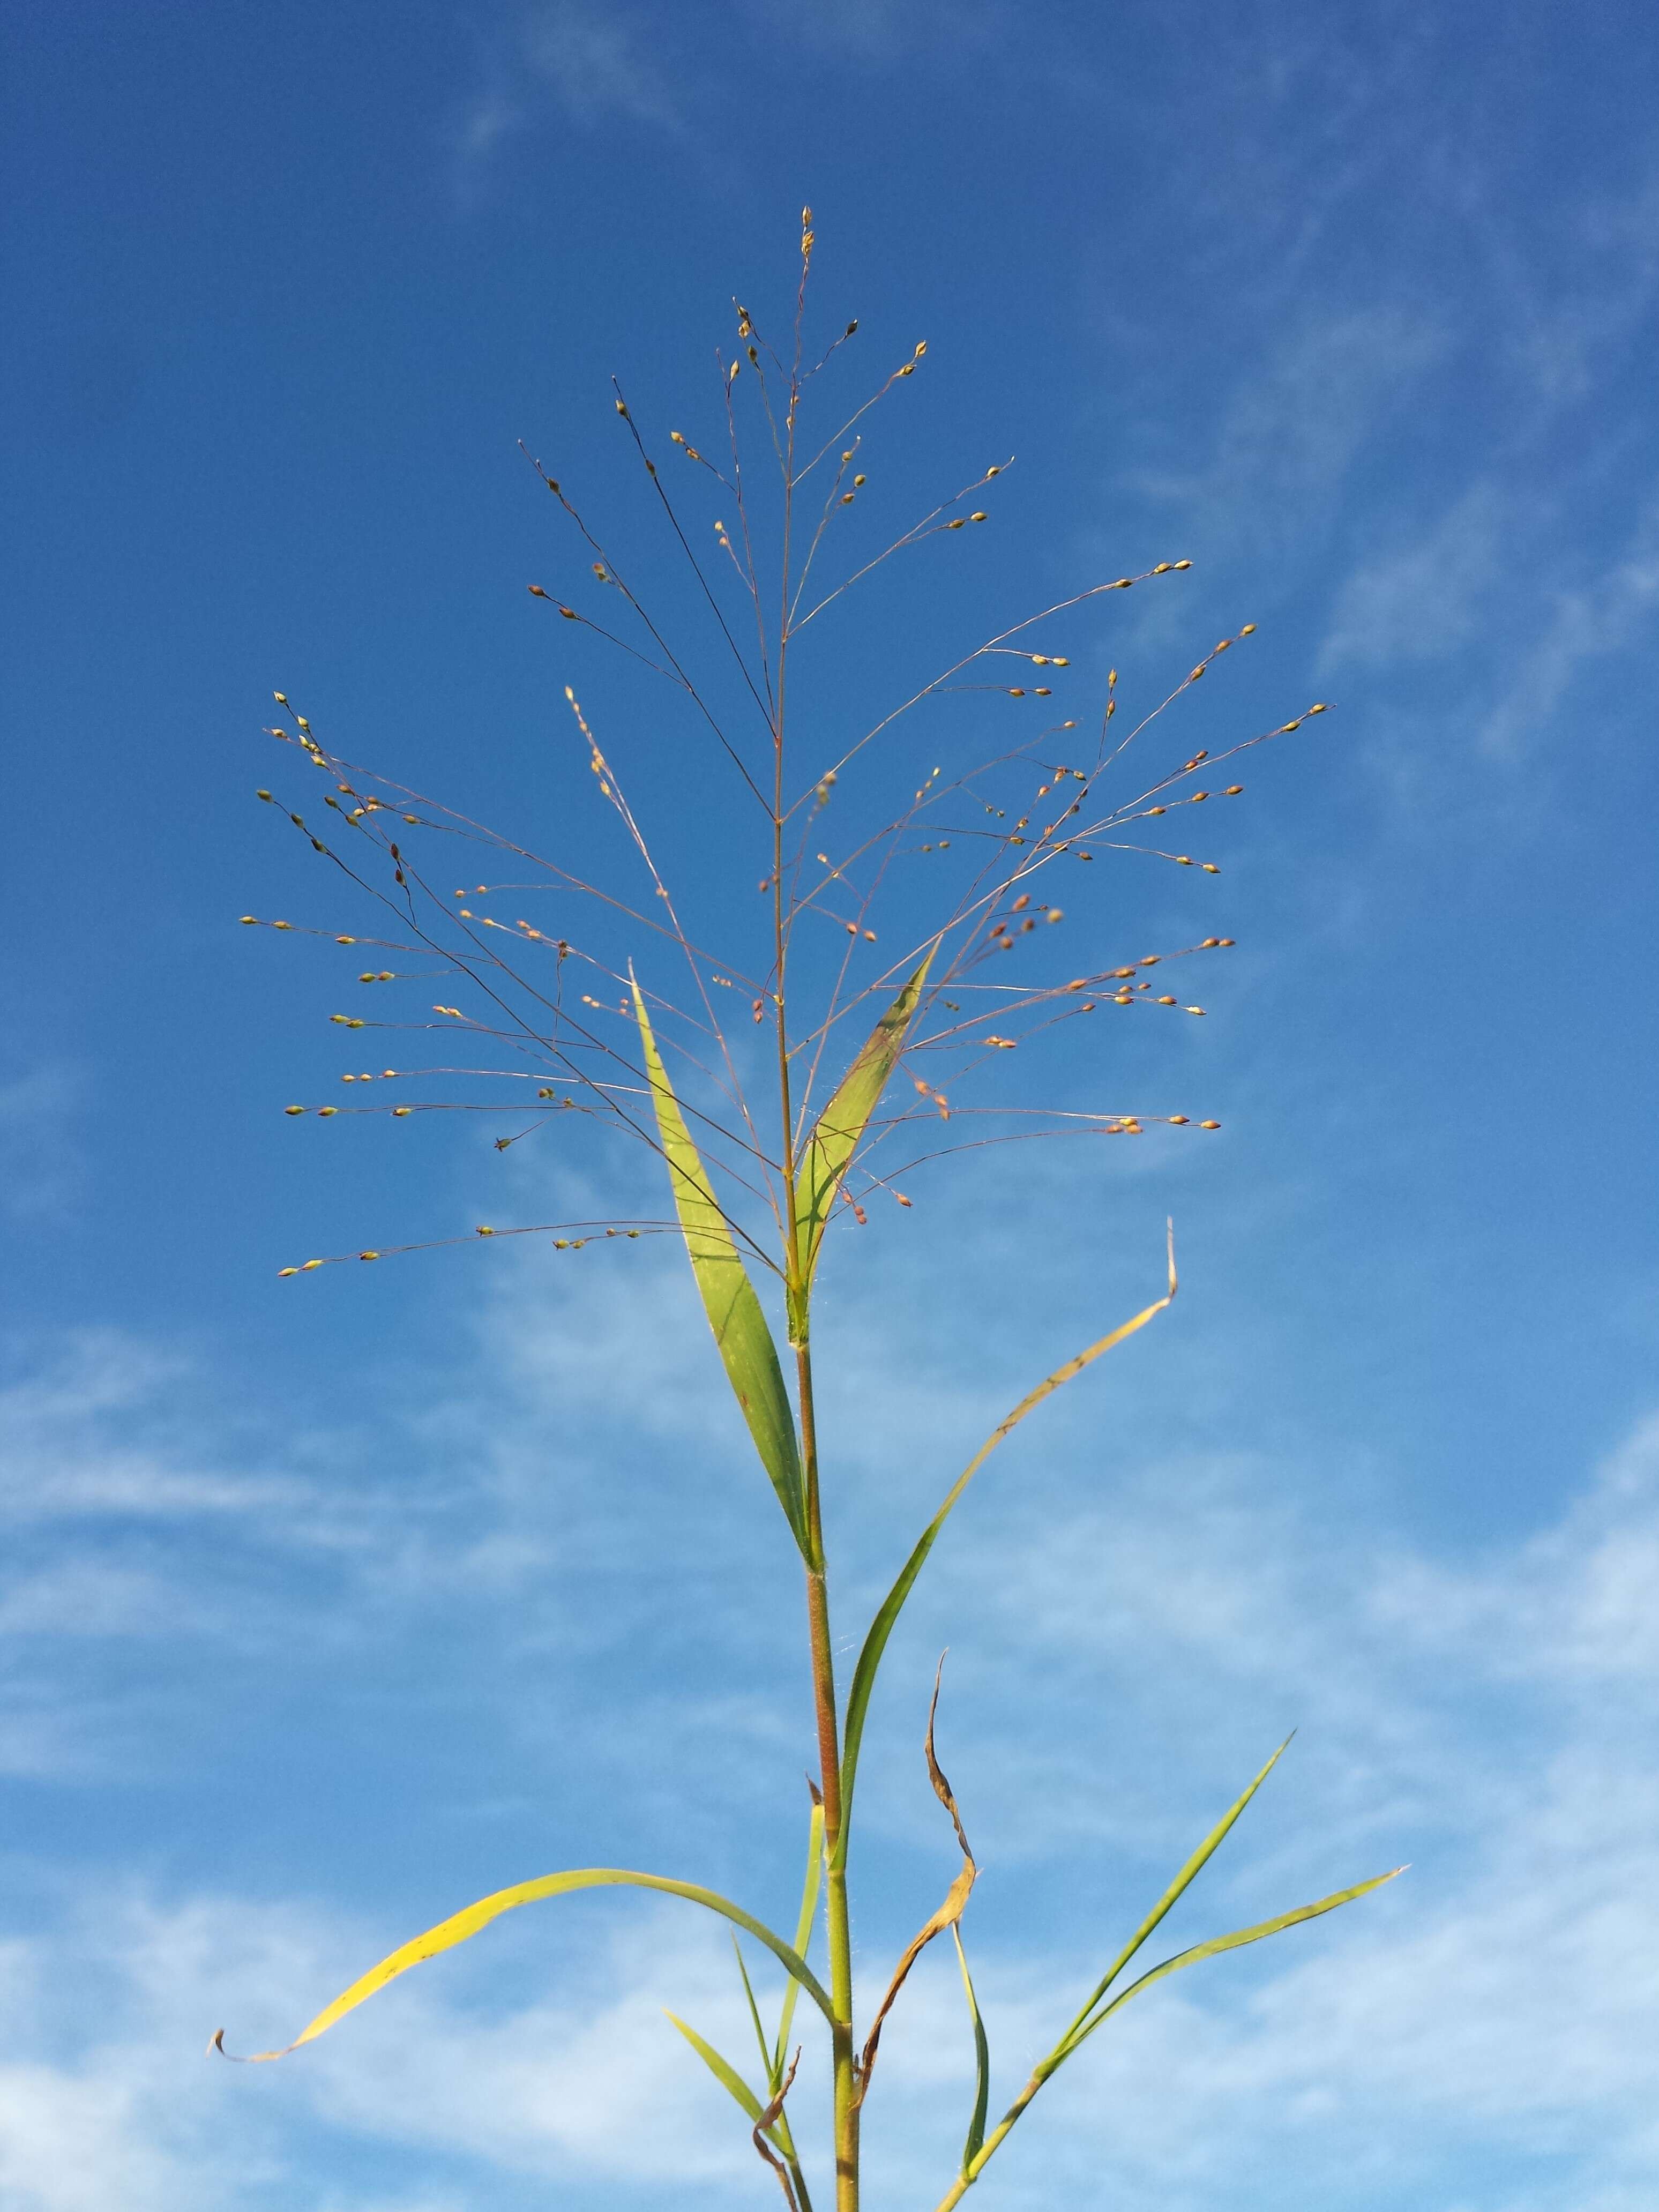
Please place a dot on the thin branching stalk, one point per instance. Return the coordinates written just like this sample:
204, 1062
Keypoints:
588, 1029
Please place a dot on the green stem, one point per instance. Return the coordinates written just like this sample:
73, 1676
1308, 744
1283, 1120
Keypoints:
965, 2181
835, 1913
818, 1593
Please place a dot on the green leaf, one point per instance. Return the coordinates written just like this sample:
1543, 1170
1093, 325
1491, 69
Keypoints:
1083, 2028
809, 1905
1189, 1874
461, 1925
838, 1130
723, 2071
728, 1297
778, 2131
875, 1642
1236, 1942
764, 2047
981, 2061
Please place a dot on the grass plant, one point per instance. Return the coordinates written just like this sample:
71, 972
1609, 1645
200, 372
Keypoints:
787, 1066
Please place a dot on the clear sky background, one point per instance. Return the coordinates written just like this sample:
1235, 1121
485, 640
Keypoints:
332, 1604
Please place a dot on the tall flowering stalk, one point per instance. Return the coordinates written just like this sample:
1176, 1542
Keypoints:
725, 1085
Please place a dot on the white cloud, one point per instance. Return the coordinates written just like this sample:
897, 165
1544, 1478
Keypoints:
41, 1171
1422, 599
1481, 2035
881, 30
1581, 623
1295, 425
602, 60
599, 62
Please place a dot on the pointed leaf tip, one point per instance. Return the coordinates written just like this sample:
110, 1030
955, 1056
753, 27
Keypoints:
734, 1311
838, 1130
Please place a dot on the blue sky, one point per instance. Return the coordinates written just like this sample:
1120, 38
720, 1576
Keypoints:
332, 1604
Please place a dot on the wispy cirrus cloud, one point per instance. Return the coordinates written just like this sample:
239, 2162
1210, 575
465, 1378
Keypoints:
596, 64
600, 62
42, 1173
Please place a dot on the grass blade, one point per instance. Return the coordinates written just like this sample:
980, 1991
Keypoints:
1189, 1874
461, 1925
754, 2013
1236, 1942
778, 2133
838, 1130
722, 2069
1076, 2034
775, 2129
734, 1311
875, 1643
949, 1914
982, 2061
809, 1905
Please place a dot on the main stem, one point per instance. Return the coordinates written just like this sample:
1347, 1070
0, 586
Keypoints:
818, 1593
824, 1699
